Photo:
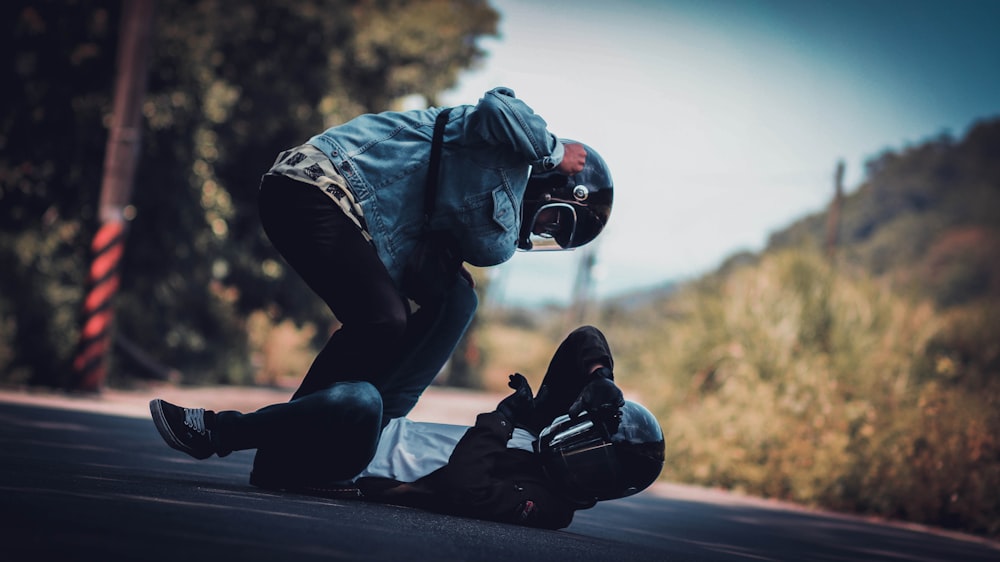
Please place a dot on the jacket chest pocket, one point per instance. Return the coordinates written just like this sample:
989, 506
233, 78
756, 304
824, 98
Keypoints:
504, 210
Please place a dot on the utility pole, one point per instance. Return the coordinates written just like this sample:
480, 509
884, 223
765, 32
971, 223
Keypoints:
120, 158
582, 286
833, 214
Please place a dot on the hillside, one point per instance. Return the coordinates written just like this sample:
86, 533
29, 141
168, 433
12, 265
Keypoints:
867, 381
928, 216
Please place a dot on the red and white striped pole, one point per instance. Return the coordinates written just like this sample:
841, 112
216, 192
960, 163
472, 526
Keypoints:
120, 158
90, 364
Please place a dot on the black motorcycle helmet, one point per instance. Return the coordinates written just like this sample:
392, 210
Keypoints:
563, 212
593, 458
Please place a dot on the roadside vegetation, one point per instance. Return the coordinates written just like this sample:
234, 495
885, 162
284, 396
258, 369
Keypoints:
862, 376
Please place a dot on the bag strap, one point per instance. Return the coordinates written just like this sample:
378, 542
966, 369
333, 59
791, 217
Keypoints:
430, 190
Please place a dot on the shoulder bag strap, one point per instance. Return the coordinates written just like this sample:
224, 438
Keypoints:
430, 191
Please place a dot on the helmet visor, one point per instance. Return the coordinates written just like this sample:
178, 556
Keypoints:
578, 455
598, 458
552, 227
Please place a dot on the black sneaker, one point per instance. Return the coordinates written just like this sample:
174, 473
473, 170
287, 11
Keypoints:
183, 429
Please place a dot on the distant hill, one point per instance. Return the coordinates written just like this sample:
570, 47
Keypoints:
928, 216
642, 297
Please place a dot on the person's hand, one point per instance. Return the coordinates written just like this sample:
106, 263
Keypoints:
600, 398
518, 406
574, 159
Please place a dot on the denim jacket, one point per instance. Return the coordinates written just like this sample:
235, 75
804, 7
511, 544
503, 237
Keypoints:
488, 153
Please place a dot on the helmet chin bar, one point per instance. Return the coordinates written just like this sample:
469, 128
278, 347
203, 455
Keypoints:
544, 235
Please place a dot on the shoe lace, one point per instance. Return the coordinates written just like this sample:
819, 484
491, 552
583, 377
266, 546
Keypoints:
195, 419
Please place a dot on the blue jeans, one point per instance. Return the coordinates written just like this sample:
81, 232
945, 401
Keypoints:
395, 353
378, 341
330, 434
431, 338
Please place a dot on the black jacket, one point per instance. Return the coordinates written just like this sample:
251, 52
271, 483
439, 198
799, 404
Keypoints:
486, 480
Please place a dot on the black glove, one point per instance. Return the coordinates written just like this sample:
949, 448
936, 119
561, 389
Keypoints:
600, 397
518, 406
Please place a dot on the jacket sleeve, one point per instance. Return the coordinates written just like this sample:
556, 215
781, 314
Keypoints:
501, 119
477, 489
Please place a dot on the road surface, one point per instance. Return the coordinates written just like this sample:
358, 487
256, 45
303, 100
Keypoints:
100, 485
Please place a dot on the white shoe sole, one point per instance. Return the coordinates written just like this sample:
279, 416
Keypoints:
160, 421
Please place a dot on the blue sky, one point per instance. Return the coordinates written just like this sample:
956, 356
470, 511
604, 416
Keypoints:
723, 120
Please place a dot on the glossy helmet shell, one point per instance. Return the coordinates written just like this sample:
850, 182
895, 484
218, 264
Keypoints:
583, 203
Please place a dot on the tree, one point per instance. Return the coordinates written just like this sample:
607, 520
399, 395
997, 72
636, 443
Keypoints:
232, 83
58, 71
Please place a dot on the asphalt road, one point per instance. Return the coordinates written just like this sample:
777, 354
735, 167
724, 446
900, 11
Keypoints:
79, 485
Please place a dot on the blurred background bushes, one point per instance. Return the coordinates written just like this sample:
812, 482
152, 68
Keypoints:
866, 379
231, 84
867, 382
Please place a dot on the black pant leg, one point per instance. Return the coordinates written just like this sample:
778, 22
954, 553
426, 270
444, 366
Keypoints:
569, 372
326, 436
327, 250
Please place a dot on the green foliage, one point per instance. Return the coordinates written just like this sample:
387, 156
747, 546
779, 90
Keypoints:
51, 147
789, 379
231, 84
867, 383
913, 202
403, 47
